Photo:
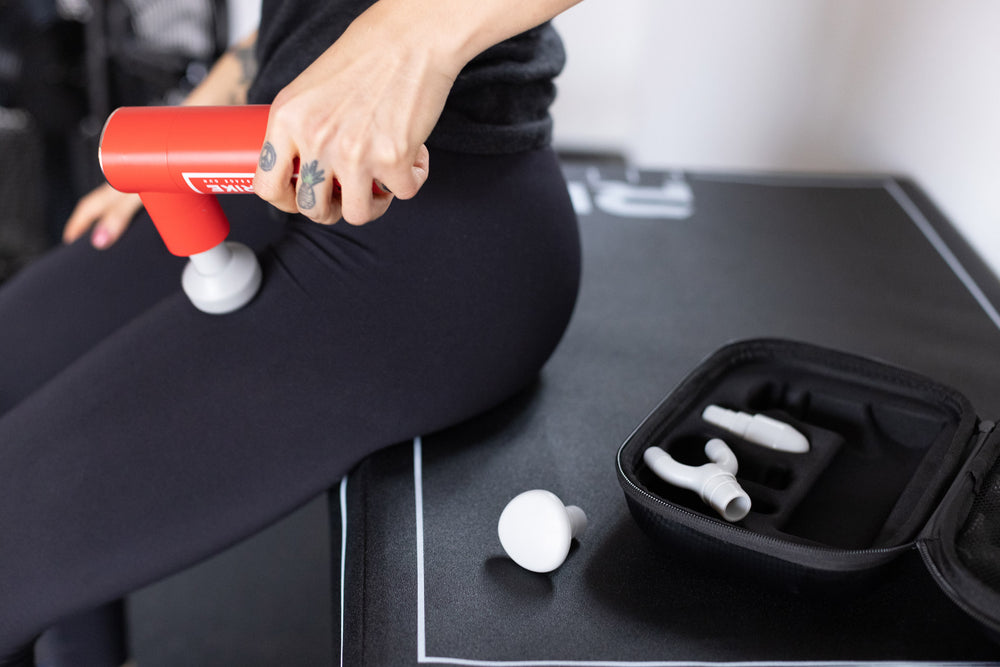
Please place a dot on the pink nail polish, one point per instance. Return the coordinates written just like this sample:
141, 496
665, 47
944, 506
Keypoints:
100, 238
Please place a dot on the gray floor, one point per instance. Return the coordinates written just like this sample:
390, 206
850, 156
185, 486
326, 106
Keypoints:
264, 602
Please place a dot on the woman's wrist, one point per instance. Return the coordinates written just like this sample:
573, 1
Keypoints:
229, 79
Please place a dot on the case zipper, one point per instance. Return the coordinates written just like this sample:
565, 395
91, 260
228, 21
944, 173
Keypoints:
985, 429
949, 590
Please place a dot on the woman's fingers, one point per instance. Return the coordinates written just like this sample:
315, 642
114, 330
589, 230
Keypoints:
115, 221
365, 200
408, 177
272, 180
317, 193
86, 212
106, 211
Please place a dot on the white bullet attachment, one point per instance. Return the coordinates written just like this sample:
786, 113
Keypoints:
222, 279
536, 529
715, 482
758, 429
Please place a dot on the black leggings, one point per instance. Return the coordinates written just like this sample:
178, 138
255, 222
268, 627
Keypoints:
138, 435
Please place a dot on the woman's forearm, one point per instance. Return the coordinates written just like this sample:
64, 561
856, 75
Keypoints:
229, 79
455, 31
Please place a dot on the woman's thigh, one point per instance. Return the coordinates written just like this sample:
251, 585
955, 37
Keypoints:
74, 296
180, 433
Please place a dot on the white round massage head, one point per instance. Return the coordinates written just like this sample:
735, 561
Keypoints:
536, 529
222, 279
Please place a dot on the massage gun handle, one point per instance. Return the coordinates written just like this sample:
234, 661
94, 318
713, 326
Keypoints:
178, 158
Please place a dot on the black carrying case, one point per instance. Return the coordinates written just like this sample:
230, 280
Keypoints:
897, 461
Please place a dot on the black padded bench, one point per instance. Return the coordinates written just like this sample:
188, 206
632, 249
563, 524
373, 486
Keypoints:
675, 266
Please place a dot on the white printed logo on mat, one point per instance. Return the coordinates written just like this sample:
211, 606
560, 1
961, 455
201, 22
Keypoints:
671, 199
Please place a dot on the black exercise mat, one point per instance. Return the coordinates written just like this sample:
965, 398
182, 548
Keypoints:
675, 266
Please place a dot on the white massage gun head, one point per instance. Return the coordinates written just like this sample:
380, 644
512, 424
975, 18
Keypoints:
536, 529
222, 279
715, 482
758, 429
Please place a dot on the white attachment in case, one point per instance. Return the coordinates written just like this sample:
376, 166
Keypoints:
758, 429
715, 482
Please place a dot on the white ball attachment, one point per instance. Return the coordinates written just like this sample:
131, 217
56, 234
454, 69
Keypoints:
715, 482
222, 279
536, 529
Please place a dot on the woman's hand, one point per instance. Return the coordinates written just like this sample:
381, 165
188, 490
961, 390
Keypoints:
105, 210
359, 114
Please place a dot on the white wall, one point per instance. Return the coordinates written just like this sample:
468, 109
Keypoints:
243, 17
904, 86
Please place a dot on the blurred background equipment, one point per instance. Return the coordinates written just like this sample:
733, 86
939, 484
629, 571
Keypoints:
22, 236
64, 66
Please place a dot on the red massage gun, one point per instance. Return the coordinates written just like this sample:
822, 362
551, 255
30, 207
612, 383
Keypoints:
178, 159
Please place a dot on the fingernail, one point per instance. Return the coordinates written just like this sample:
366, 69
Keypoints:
381, 186
100, 238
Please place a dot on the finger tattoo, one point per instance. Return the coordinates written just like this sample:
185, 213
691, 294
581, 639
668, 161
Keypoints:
267, 156
310, 175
